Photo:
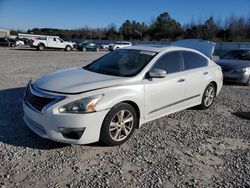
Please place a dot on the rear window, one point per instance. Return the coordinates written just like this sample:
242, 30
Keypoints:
193, 60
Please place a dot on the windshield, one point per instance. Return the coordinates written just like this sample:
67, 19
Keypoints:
123, 62
238, 55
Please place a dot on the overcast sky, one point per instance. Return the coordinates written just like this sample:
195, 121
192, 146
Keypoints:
25, 14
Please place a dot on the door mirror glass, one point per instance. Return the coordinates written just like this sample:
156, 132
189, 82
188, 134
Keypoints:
157, 73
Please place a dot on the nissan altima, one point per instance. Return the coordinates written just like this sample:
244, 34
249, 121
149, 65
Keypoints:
116, 94
236, 66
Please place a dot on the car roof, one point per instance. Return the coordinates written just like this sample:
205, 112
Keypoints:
158, 48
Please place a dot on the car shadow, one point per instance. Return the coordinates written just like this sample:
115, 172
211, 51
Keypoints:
24, 49
231, 83
243, 115
13, 130
34, 49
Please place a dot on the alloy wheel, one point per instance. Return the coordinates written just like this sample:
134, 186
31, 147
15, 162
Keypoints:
209, 96
121, 125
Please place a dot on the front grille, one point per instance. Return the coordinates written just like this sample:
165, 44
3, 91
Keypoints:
37, 102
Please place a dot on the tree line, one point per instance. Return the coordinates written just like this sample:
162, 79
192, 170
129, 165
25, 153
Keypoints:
163, 28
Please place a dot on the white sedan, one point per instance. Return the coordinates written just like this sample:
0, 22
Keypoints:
19, 43
111, 97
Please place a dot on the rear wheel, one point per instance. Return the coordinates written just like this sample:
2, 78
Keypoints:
40, 47
119, 124
12, 45
208, 96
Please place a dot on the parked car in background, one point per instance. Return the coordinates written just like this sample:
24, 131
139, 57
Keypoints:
51, 42
104, 46
87, 46
7, 42
26, 41
236, 66
19, 42
119, 44
111, 97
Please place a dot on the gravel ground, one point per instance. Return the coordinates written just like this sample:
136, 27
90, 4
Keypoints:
191, 148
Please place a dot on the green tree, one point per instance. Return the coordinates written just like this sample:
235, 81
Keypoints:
165, 27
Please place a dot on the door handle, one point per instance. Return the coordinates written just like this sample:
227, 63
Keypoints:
181, 80
205, 73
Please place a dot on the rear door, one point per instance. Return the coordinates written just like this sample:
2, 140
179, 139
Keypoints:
164, 95
51, 42
54, 42
196, 75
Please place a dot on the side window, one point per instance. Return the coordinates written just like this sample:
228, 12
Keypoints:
170, 62
193, 60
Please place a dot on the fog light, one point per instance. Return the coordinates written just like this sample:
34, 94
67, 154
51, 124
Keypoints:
72, 133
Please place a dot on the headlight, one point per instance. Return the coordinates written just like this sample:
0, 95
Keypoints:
85, 105
243, 69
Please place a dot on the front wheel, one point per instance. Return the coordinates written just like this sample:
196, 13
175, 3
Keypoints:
68, 48
208, 97
119, 124
248, 82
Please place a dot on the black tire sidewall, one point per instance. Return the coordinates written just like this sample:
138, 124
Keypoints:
41, 47
248, 82
67, 48
105, 135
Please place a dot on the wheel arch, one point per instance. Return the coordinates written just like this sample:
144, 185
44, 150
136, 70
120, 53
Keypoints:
41, 43
136, 107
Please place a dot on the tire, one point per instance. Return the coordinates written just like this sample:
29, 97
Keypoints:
40, 47
120, 132
68, 48
12, 45
248, 82
208, 97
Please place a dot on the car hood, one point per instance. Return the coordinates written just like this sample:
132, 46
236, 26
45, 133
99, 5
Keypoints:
232, 64
76, 80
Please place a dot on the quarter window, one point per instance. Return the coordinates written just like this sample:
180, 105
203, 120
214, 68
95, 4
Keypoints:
193, 60
170, 62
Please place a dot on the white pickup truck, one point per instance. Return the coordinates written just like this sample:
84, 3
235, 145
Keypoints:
51, 42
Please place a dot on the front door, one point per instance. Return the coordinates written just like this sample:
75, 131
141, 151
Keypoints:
165, 95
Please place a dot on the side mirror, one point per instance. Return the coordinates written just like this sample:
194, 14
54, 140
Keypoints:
157, 73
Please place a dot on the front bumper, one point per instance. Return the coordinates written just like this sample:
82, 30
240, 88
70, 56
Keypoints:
236, 77
47, 124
